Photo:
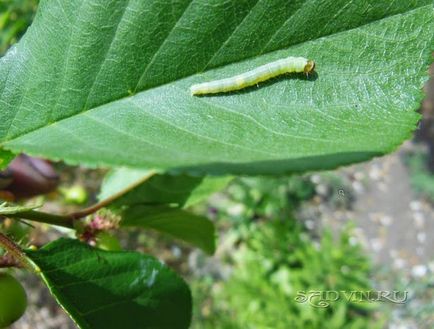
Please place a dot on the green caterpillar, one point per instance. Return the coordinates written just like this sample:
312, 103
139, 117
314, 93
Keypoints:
253, 77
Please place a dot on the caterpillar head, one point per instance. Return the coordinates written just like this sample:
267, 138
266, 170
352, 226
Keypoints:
309, 67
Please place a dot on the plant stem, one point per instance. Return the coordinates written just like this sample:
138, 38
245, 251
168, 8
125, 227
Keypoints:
68, 220
16, 256
43, 217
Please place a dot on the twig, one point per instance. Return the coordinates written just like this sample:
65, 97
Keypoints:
68, 220
15, 255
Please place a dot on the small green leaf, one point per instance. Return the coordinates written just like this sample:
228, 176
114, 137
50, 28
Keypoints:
208, 186
112, 290
162, 188
176, 222
120, 179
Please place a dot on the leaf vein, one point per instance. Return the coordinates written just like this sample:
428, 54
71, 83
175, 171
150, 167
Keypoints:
145, 70
106, 54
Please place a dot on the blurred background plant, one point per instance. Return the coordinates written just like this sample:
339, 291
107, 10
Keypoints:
422, 179
269, 257
15, 17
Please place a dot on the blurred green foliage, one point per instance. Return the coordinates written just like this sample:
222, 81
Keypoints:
273, 257
248, 199
15, 17
422, 180
272, 267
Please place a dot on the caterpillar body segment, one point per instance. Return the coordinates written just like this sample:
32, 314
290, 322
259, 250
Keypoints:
255, 76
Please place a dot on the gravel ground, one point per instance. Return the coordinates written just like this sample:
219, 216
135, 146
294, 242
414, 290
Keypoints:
395, 226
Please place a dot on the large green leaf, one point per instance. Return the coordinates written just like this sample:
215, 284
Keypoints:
176, 222
104, 82
101, 289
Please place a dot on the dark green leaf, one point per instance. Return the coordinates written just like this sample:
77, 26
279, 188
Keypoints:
106, 82
101, 289
179, 223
